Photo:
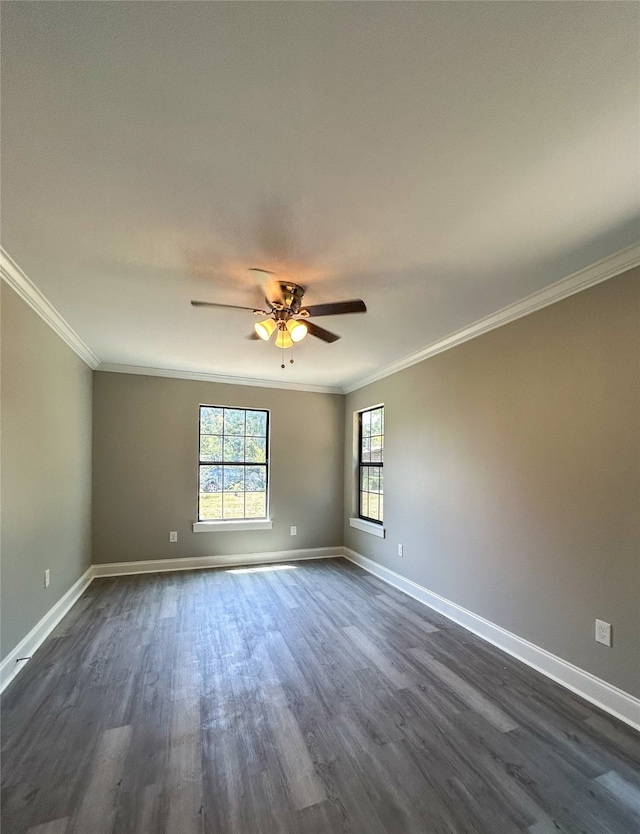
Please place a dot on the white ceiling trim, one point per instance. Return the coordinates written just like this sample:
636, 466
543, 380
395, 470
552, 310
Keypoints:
589, 276
28, 291
601, 271
218, 378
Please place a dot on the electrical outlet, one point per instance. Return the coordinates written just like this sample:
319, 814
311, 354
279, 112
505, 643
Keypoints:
603, 632
173, 536
47, 578
294, 530
400, 550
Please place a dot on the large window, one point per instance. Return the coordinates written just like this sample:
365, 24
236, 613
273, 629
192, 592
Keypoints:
370, 462
234, 462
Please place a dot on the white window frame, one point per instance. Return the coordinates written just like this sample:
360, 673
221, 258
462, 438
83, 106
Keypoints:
234, 524
373, 528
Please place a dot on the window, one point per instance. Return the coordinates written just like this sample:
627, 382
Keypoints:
233, 463
370, 462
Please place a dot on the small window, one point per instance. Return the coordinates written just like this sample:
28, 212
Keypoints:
233, 463
370, 463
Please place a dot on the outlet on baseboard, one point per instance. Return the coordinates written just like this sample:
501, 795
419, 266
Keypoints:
294, 530
603, 632
173, 536
400, 550
47, 578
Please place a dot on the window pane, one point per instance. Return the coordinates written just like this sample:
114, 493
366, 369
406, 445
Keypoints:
233, 449
371, 455
256, 504
255, 479
231, 438
365, 419
210, 478
233, 478
257, 423
256, 449
210, 420
210, 447
234, 421
233, 504
210, 506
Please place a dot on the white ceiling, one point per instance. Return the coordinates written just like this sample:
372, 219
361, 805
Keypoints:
438, 160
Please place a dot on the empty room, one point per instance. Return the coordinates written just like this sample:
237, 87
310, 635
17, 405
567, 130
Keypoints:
320, 408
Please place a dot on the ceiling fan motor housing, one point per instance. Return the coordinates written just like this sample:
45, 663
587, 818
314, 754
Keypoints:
291, 299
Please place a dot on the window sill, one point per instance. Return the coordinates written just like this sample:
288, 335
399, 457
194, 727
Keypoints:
368, 527
232, 526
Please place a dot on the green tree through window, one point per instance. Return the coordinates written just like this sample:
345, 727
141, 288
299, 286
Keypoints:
233, 463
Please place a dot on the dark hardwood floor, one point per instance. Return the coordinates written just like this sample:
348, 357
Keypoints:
307, 700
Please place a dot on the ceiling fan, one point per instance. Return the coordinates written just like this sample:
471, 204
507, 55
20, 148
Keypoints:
286, 315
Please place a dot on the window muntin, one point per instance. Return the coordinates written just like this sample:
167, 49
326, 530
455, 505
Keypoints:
370, 464
233, 467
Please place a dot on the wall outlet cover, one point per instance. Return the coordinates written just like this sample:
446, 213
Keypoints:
603, 632
173, 536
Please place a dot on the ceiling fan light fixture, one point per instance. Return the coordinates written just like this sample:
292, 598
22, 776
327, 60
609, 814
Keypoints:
297, 330
265, 328
283, 339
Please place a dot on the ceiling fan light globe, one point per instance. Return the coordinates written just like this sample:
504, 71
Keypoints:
265, 328
297, 330
283, 339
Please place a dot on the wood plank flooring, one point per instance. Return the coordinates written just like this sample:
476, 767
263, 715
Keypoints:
308, 699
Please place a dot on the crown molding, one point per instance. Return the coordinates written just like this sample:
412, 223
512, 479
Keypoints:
252, 382
583, 279
596, 273
27, 290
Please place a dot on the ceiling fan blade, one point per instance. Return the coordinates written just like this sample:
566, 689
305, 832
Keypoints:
270, 286
227, 306
266, 272
337, 308
319, 332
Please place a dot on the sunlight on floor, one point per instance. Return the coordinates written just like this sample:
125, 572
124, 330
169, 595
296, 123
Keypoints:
261, 569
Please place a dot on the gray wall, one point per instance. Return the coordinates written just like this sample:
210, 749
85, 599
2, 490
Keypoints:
512, 467
46, 468
145, 455
512, 473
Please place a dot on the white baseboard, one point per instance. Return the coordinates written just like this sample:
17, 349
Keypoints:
609, 698
201, 562
10, 666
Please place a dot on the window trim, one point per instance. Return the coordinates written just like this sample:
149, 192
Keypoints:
374, 528
232, 524
366, 520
